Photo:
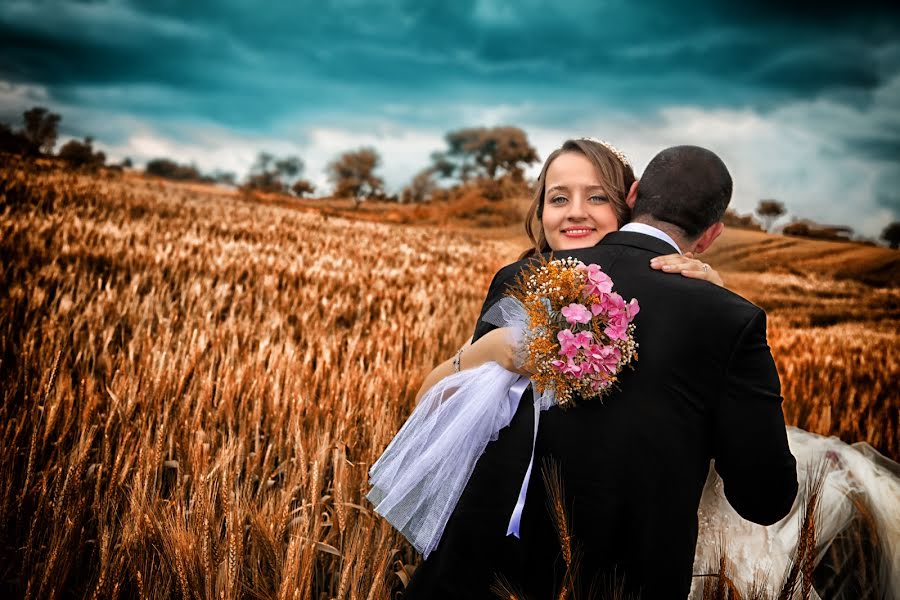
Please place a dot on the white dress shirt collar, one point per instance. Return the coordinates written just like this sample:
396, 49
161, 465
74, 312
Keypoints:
652, 231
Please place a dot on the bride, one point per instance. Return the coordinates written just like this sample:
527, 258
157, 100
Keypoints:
469, 555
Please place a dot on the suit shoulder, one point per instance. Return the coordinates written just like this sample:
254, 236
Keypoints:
507, 274
717, 302
732, 307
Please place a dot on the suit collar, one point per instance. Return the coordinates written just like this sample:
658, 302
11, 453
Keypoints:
637, 240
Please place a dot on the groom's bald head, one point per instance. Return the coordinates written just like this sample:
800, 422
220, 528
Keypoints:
686, 186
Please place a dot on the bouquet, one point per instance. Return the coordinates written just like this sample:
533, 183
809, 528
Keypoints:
579, 333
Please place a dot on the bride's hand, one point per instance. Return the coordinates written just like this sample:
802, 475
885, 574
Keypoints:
688, 266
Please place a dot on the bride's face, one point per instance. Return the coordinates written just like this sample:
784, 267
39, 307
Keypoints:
576, 212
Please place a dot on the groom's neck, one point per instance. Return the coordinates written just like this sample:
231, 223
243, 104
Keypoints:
673, 231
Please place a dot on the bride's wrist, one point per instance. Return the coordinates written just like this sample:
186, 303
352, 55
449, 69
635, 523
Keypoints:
456, 360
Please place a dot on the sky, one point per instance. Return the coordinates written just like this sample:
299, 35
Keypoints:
800, 99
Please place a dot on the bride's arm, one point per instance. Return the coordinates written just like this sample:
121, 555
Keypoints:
495, 345
688, 266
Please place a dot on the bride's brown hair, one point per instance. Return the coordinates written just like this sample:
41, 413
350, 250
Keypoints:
615, 175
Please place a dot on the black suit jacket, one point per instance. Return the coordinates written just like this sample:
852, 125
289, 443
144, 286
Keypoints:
634, 466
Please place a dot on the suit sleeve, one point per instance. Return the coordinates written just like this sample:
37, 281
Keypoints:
750, 440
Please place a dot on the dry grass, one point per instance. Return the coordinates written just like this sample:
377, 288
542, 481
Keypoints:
194, 386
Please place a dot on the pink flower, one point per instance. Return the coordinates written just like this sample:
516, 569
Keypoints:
632, 309
617, 329
604, 358
599, 384
565, 335
576, 313
573, 369
613, 304
567, 344
584, 338
612, 358
596, 309
598, 282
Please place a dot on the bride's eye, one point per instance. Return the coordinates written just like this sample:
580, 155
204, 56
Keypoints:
599, 199
557, 200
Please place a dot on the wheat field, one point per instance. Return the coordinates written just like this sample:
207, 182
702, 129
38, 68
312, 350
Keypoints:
195, 384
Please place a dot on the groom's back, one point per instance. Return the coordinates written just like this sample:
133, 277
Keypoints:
633, 466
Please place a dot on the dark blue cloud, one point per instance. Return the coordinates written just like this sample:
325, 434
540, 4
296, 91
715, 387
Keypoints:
243, 62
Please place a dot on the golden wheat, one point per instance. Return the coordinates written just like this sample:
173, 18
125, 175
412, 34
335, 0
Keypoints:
195, 385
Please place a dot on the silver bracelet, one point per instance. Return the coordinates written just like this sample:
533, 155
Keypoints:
456, 361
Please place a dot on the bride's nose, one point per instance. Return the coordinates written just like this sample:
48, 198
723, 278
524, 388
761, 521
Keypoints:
577, 210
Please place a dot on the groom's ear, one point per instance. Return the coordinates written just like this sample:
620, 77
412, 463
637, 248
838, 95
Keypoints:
707, 238
631, 198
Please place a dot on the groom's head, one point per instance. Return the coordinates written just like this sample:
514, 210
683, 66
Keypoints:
683, 191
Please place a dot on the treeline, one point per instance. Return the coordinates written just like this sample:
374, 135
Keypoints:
487, 161
492, 160
37, 138
770, 212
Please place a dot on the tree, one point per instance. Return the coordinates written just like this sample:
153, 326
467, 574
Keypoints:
81, 154
353, 175
891, 235
224, 177
421, 188
769, 211
13, 142
485, 152
288, 167
269, 174
164, 167
302, 187
41, 128
732, 218
39, 134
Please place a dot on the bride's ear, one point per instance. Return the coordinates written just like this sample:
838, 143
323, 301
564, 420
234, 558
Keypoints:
707, 238
631, 198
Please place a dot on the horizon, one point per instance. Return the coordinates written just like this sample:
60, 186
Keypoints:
800, 100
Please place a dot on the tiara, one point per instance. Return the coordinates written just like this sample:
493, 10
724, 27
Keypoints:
619, 154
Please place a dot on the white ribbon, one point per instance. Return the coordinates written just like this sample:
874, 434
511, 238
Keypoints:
515, 520
509, 312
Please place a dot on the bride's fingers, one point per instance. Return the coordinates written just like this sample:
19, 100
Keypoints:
674, 263
710, 276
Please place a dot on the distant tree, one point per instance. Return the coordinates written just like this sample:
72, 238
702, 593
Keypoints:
13, 142
421, 188
126, 163
82, 154
269, 174
891, 235
817, 231
169, 169
353, 175
301, 187
41, 128
224, 177
288, 167
484, 152
734, 219
769, 211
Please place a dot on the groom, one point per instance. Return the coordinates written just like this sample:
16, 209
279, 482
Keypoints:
705, 387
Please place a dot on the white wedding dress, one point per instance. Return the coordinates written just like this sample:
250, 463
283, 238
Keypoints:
852, 474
